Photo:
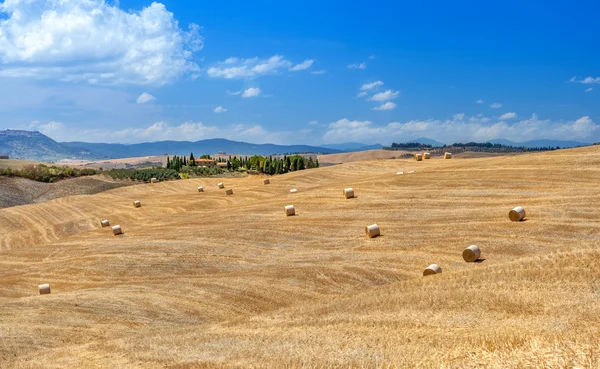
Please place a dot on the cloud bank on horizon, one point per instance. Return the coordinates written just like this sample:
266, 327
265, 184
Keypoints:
92, 70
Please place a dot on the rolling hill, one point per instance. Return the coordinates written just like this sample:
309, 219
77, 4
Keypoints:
540, 143
208, 280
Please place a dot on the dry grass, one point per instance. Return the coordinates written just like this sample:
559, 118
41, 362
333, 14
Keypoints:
208, 280
349, 157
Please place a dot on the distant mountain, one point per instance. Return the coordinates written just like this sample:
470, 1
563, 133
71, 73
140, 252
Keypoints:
36, 146
539, 143
426, 141
353, 146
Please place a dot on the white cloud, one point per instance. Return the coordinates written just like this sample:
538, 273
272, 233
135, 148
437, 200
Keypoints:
387, 106
251, 92
369, 86
249, 68
586, 80
496, 106
233, 93
384, 96
96, 42
462, 129
589, 89
145, 98
322, 71
358, 66
49, 129
313, 123
508, 116
480, 101
303, 66
220, 109
362, 94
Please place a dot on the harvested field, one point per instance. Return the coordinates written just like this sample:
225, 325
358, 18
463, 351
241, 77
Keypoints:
349, 157
207, 280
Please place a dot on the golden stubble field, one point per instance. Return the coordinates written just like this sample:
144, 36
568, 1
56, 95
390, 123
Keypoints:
209, 280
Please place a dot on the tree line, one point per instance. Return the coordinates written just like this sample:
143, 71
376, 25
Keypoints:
469, 146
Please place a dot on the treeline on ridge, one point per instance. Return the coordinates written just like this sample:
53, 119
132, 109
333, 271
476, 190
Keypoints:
469, 146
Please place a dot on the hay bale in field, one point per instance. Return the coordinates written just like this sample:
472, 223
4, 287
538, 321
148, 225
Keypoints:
517, 214
293, 190
200, 189
221, 185
153, 180
117, 230
44, 289
290, 210
348, 193
399, 173
426, 155
105, 223
266, 181
137, 204
432, 269
229, 192
418, 157
372, 231
471, 254
412, 171
448, 155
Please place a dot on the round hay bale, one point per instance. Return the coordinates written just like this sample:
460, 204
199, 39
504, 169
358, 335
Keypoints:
426, 155
153, 180
105, 223
432, 269
221, 185
229, 192
44, 289
137, 204
372, 231
517, 214
348, 193
471, 254
200, 189
293, 190
418, 157
117, 230
399, 173
448, 155
412, 171
266, 181
290, 210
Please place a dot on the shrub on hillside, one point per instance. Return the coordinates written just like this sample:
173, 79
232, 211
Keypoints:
44, 173
144, 175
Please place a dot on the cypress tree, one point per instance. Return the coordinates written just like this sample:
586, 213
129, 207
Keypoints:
168, 163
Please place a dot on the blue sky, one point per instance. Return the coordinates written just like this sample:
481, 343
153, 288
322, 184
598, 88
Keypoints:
309, 72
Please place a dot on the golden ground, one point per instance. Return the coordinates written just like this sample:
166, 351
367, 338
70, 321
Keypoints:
205, 279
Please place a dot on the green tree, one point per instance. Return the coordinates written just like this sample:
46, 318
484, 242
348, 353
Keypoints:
168, 163
192, 160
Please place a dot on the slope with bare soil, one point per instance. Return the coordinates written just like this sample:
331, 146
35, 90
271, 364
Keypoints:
205, 279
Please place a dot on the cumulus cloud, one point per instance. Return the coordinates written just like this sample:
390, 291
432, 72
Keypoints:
370, 86
586, 80
508, 116
358, 66
387, 106
462, 129
480, 101
384, 96
232, 68
220, 109
303, 66
251, 92
145, 98
362, 94
93, 41
496, 106
589, 89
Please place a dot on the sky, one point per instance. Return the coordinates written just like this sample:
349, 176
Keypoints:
309, 72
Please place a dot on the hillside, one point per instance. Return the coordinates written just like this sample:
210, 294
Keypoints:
209, 280
38, 147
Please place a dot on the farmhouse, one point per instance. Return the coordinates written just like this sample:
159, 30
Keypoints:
222, 165
205, 162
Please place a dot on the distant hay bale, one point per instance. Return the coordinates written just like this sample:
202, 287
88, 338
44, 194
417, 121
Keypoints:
399, 173
105, 223
471, 254
372, 231
266, 181
432, 269
517, 214
137, 204
349, 193
117, 230
221, 185
418, 157
200, 189
229, 192
44, 289
290, 210
412, 171
153, 180
448, 155
426, 155
293, 190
